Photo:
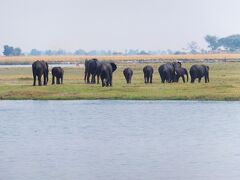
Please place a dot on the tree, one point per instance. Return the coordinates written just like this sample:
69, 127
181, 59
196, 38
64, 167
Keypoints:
80, 52
17, 52
10, 51
48, 52
212, 41
231, 43
193, 47
35, 52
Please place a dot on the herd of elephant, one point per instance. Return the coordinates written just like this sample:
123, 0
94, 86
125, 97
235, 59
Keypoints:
169, 72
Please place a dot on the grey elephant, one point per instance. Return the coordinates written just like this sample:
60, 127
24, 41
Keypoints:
39, 69
106, 71
167, 71
199, 71
148, 74
57, 72
128, 72
180, 72
92, 68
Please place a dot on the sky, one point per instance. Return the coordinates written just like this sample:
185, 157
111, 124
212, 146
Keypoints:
115, 24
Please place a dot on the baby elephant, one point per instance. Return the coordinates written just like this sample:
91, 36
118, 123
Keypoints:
180, 72
148, 74
58, 73
128, 72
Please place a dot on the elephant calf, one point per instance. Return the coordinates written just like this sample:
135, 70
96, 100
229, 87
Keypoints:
180, 72
199, 71
39, 69
128, 72
57, 72
148, 74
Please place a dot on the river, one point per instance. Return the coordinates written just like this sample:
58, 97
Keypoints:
119, 140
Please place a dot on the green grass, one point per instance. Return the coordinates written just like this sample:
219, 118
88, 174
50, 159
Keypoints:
16, 83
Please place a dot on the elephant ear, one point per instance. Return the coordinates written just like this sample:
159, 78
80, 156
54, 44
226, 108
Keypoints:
114, 67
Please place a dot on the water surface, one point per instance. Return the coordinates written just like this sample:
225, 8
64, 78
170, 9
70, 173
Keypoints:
119, 140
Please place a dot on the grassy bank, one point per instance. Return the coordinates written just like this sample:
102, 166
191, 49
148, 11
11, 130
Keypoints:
16, 83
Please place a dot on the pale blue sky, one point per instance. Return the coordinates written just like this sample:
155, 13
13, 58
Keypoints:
115, 24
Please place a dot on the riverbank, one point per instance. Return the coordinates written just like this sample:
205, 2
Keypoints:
190, 58
16, 83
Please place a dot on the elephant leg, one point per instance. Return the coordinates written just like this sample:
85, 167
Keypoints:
45, 79
151, 79
39, 80
85, 76
88, 77
110, 80
130, 80
103, 83
145, 79
206, 79
183, 78
53, 80
97, 79
93, 80
192, 80
162, 78
62, 79
34, 80
199, 80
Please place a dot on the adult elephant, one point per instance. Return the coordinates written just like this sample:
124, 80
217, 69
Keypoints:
180, 72
39, 69
148, 74
57, 72
199, 71
106, 70
167, 71
128, 72
92, 68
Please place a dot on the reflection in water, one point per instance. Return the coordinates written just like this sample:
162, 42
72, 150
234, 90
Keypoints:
120, 140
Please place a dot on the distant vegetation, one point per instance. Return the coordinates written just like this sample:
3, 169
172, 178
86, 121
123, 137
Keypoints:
229, 44
11, 51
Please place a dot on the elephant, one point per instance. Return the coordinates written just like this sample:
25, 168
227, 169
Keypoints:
148, 74
167, 71
106, 71
180, 72
128, 72
199, 71
40, 68
92, 68
57, 72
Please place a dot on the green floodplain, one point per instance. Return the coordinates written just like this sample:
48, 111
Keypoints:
16, 84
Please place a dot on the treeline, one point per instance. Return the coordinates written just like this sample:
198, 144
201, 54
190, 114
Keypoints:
36, 52
229, 44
